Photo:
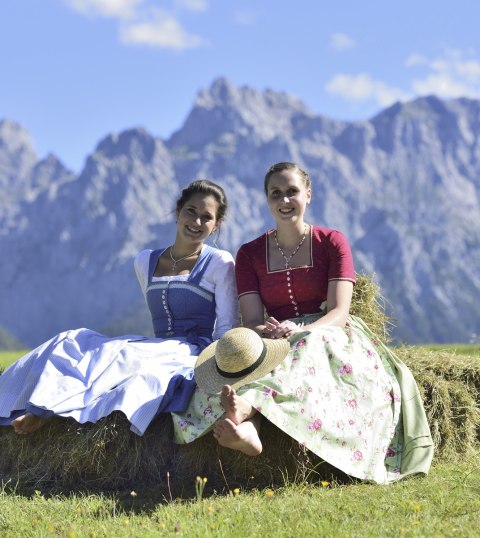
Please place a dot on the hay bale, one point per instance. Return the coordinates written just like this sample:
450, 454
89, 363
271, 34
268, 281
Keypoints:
450, 386
65, 454
283, 460
369, 304
107, 455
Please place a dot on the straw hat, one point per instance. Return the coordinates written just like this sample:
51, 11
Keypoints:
240, 356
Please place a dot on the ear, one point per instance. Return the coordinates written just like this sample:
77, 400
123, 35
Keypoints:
309, 195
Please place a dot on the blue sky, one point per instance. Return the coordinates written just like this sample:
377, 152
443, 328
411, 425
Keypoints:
73, 71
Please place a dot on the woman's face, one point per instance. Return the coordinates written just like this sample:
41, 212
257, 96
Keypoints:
287, 196
198, 218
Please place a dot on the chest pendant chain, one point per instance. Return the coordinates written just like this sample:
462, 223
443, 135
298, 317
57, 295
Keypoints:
174, 264
297, 248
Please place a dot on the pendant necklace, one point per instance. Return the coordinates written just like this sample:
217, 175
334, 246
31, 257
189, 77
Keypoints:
174, 264
297, 248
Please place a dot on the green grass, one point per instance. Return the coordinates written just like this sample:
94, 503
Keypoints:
458, 349
445, 503
7, 357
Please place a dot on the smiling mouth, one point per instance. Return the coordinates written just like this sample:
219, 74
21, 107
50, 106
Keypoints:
286, 210
193, 230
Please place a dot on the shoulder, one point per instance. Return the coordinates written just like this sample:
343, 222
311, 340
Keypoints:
329, 235
257, 245
221, 256
142, 259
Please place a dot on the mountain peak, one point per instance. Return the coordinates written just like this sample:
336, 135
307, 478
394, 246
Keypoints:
135, 142
227, 109
14, 137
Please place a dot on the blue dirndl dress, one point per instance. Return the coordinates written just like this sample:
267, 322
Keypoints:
85, 375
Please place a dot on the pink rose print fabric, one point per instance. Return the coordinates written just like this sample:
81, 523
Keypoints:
336, 393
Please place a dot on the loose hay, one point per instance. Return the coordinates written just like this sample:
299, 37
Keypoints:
369, 304
450, 386
65, 455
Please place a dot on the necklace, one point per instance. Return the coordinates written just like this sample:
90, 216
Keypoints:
174, 265
297, 248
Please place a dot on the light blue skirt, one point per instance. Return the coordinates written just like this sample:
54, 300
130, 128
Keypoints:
85, 375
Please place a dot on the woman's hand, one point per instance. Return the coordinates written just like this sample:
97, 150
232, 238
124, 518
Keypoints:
277, 329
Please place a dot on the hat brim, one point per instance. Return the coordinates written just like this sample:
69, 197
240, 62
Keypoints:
211, 381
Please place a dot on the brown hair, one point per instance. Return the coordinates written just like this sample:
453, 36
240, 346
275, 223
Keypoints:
280, 167
206, 187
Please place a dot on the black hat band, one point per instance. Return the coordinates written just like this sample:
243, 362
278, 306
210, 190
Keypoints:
245, 371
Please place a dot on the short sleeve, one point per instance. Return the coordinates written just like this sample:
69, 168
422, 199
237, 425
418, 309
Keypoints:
245, 274
340, 256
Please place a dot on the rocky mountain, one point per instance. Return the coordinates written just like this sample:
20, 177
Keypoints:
404, 186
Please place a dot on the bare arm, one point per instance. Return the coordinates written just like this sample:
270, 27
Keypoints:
252, 310
339, 297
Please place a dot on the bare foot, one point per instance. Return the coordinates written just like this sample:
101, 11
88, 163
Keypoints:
243, 437
27, 423
236, 407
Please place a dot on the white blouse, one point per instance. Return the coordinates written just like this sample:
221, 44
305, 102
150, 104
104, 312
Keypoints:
218, 278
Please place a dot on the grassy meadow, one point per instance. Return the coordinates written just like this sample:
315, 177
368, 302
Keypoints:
445, 503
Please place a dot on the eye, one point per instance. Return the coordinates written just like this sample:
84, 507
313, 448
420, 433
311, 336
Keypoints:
292, 191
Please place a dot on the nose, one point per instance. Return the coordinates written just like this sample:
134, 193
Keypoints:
286, 198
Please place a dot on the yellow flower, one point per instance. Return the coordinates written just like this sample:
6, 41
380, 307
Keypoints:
325, 484
416, 508
236, 491
269, 493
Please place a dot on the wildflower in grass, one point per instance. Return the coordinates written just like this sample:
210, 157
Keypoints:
236, 491
325, 483
269, 493
416, 508
200, 486
126, 521
133, 493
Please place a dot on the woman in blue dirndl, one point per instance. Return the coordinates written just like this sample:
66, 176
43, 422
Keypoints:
190, 291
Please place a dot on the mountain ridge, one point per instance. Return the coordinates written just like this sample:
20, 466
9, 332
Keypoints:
404, 186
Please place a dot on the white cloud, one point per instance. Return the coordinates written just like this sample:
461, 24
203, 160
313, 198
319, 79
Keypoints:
442, 84
341, 42
193, 5
164, 31
416, 59
454, 74
244, 18
122, 9
363, 87
143, 25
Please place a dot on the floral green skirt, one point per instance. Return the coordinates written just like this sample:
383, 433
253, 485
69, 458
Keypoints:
343, 395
